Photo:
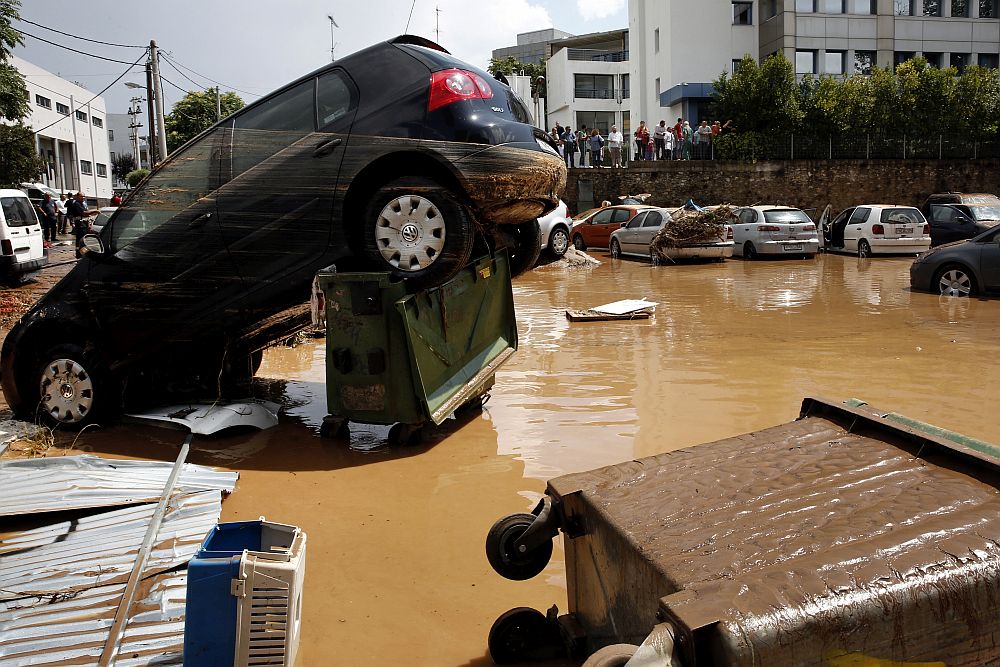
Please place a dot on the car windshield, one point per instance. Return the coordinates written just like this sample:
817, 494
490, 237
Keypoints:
102, 218
786, 216
986, 213
902, 216
17, 211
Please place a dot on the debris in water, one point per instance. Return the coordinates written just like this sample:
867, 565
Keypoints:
690, 226
627, 309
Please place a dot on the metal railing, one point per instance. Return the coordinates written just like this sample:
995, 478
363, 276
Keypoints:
597, 55
594, 94
778, 146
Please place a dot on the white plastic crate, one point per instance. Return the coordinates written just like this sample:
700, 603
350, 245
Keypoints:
269, 597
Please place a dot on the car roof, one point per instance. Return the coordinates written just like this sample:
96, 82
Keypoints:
11, 192
883, 206
773, 207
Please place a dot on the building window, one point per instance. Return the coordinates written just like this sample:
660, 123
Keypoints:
102, 170
625, 87
805, 62
806, 6
934, 58
656, 40
98, 122
594, 86
902, 7
62, 108
658, 90
112, 157
831, 6
990, 60
111, 137
900, 57
833, 62
987, 9
602, 120
864, 62
736, 64
85, 168
960, 61
80, 115
43, 102
742, 13
932, 7
960, 8
865, 6
769, 9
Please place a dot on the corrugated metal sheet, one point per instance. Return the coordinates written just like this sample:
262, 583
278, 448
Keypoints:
73, 631
75, 482
101, 549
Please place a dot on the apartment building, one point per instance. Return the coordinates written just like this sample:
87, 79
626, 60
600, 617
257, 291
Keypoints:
122, 140
72, 138
588, 81
532, 47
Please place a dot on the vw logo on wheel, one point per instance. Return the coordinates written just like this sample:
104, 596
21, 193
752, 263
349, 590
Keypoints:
410, 233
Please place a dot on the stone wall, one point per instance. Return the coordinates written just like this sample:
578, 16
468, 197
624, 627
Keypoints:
806, 184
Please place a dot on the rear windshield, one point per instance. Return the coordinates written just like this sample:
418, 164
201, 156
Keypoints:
786, 217
17, 211
903, 216
985, 213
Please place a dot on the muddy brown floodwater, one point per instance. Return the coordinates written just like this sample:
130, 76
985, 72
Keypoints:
397, 573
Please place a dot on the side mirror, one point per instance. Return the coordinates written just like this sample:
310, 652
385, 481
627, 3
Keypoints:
92, 245
623, 224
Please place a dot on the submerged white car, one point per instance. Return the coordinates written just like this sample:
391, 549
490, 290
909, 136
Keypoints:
776, 231
636, 237
876, 229
554, 229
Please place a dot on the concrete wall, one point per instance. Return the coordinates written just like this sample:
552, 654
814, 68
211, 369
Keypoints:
801, 183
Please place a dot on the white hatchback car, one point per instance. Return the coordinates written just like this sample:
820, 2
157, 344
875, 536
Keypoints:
636, 237
876, 229
22, 248
554, 229
778, 231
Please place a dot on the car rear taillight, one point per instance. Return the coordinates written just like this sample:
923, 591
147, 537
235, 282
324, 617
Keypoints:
878, 229
6, 248
729, 233
927, 229
455, 85
809, 228
768, 228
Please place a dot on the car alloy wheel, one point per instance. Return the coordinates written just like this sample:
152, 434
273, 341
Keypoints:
410, 233
559, 242
864, 250
955, 282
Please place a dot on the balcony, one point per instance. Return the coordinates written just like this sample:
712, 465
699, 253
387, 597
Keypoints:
594, 94
597, 55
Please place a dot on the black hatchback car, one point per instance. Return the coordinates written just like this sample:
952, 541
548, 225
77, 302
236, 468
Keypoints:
397, 158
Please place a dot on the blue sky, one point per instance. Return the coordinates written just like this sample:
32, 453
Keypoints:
255, 46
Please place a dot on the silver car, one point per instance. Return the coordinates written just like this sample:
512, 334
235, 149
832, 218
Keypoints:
636, 237
774, 231
554, 229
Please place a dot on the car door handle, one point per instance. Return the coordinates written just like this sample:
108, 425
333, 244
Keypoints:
326, 147
199, 221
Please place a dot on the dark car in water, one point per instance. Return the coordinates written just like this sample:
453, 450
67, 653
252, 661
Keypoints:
956, 216
964, 268
397, 158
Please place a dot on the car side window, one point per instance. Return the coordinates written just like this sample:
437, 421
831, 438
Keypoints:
621, 215
941, 213
844, 215
653, 219
636, 222
746, 216
859, 216
602, 218
335, 100
290, 111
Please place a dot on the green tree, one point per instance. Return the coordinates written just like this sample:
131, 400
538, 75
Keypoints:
760, 98
19, 161
511, 65
13, 93
927, 94
194, 113
977, 102
122, 165
135, 177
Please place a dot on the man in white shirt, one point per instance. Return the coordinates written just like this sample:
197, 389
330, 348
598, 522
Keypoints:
659, 134
615, 140
668, 144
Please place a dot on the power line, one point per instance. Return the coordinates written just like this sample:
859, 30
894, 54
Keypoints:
120, 77
86, 39
406, 30
41, 39
174, 84
208, 78
197, 85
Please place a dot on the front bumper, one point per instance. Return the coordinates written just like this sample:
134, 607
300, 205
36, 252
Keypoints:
922, 275
899, 246
789, 247
512, 183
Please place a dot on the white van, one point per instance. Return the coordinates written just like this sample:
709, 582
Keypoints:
21, 244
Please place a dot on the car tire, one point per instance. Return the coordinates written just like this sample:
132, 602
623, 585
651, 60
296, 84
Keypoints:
559, 242
864, 249
579, 243
616, 655
73, 387
615, 249
955, 280
433, 235
523, 243
749, 251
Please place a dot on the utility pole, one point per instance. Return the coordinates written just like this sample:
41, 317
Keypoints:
151, 144
218, 105
437, 25
333, 39
134, 110
161, 133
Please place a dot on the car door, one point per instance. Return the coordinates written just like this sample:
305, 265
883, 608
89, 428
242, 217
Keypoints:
281, 170
651, 224
744, 229
856, 228
594, 231
989, 262
949, 223
629, 234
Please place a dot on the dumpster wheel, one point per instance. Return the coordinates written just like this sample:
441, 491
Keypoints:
616, 655
524, 634
406, 434
510, 561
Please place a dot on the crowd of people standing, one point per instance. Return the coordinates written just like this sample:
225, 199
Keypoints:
678, 142
66, 215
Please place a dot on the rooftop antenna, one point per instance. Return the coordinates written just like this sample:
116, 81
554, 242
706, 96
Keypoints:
437, 25
333, 41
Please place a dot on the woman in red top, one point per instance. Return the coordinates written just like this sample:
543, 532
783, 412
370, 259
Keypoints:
641, 139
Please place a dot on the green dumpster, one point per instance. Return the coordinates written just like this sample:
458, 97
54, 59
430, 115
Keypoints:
397, 356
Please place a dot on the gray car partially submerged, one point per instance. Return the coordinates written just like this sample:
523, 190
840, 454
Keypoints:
964, 268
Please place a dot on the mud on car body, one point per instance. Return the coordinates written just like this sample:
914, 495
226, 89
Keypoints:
397, 158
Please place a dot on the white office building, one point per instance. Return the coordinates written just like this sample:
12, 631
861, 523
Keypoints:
587, 80
72, 135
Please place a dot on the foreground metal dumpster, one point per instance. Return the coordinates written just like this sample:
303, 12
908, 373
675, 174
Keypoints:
846, 537
400, 357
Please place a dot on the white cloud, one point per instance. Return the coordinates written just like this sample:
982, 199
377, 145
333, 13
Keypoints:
599, 9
